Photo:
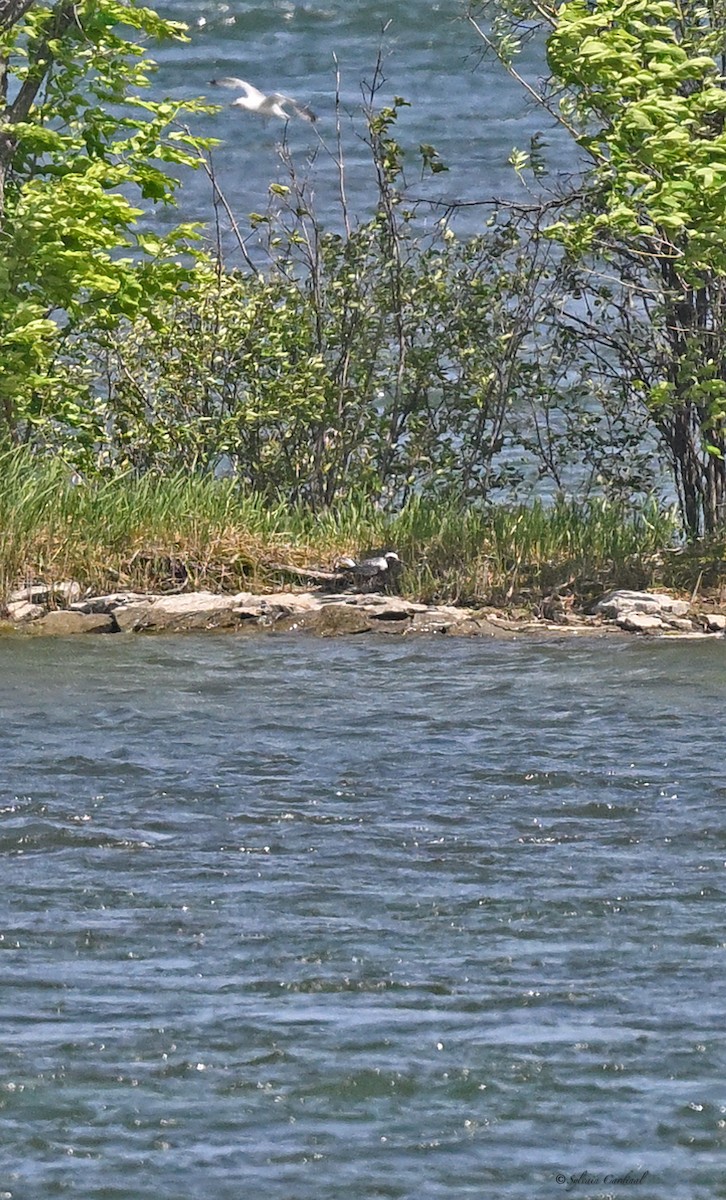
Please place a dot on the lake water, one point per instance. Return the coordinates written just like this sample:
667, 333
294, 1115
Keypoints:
415, 919
472, 113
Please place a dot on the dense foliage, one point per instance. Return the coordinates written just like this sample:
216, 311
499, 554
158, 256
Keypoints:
640, 86
580, 343
80, 150
353, 372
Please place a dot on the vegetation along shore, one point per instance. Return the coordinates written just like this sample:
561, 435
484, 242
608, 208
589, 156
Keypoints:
64, 543
529, 417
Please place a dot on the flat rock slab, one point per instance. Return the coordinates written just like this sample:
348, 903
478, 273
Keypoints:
479, 627
392, 625
22, 611
681, 624
433, 622
43, 593
107, 604
640, 622
332, 620
175, 614
388, 608
64, 622
270, 608
655, 604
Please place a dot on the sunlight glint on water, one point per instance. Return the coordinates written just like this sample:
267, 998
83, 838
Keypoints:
470, 111
409, 919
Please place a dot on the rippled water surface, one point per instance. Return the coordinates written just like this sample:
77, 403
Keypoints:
470, 111
373, 918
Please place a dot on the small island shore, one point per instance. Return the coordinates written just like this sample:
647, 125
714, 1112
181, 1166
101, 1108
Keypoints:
62, 610
173, 553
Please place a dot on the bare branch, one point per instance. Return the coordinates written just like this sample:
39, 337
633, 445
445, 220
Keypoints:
220, 198
538, 98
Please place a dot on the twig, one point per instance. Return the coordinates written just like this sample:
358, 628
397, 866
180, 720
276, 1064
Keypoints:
324, 576
339, 157
538, 98
222, 199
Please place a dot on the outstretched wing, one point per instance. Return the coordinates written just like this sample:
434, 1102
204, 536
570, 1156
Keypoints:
300, 110
239, 84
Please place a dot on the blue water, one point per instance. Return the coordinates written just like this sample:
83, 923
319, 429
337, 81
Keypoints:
373, 918
472, 112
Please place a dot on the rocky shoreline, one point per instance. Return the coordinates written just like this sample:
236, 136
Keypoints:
62, 609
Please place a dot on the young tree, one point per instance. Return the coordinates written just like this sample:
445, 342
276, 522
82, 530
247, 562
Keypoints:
76, 143
640, 87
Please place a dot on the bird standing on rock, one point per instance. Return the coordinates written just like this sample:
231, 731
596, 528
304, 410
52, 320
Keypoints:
374, 568
266, 104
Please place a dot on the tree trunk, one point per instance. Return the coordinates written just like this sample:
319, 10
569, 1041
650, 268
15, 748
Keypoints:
714, 501
694, 332
678, 431
12, 10
59, 21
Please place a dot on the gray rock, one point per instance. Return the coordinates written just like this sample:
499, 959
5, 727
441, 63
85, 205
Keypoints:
479, 627
294, 601
715, 622
429, 622
70, 590
22, 611
107, 604
341, 618
268, 610
31, 593
176, 614
616, 604
440, 618
63, 622
248, 613
395, 625
331, 620
131, 618
387, 608
640, 622
42, 593
682, 624
276, 605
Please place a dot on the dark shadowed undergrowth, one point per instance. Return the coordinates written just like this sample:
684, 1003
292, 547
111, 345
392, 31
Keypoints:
186, 532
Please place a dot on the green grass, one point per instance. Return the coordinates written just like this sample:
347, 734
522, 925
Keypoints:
180, 532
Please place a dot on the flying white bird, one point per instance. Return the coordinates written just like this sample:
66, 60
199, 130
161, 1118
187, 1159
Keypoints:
270, 104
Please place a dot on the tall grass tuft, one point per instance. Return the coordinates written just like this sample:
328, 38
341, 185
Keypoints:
183, 532
504, 555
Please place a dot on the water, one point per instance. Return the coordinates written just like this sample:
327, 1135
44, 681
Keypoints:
471, 112
373, 918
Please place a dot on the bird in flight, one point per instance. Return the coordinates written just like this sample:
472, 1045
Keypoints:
271, 104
